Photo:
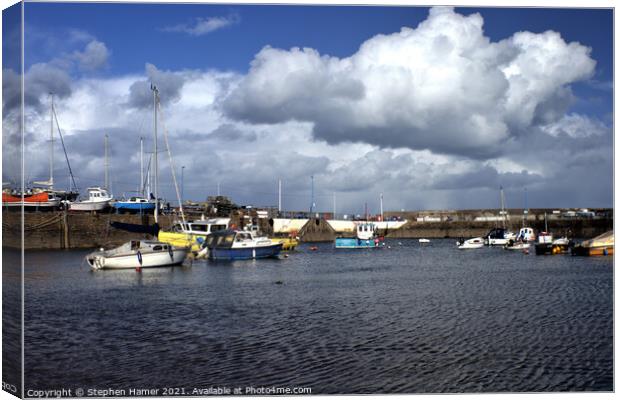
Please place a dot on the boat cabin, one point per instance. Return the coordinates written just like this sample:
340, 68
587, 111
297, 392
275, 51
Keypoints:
223, 239
201, 227
526, 234
227, 239
136, 199
98, 194
496, 233
366, 231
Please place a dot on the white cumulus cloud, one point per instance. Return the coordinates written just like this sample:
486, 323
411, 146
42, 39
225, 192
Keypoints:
442, 86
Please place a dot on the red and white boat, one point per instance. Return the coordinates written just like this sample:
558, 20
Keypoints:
36, 200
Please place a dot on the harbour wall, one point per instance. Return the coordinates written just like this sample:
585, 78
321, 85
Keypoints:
65, 230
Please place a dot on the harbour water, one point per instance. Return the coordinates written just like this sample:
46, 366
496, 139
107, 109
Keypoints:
404, 319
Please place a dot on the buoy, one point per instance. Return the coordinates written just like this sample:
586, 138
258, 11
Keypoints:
526, 251
314, 248
286, 256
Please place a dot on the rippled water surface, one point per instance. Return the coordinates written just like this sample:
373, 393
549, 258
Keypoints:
404, 319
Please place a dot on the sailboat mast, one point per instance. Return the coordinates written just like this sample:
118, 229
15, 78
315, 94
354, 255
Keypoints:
141, 187
51, 181
501, 200
107, 165
154, 89
381, 201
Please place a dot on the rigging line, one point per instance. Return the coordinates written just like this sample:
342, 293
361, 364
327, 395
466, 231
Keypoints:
174, 178
64, 148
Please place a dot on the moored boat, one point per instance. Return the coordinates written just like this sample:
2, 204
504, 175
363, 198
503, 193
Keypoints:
499, 237
517, 245
602, 245
37, 200
134, 204
288, 243
192, 234
473, 243
545, 244
98, 199
366, 237
229, 245
137, 254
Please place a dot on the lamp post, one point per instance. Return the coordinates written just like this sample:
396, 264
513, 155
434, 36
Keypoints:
182, 171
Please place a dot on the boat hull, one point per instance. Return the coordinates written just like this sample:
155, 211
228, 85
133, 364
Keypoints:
592, 251
131, 261
550, 248
89, 205
354, 243
121, 206
288, 244
246, 253
517, 246
180, 239
471, 246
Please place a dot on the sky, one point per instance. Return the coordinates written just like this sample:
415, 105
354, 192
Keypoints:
435, 108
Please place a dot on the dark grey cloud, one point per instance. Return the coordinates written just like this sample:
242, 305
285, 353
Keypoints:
168, 83
485, 177
230, 133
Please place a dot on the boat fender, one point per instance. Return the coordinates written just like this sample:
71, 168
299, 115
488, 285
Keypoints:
139, 257
170, 252
605, 253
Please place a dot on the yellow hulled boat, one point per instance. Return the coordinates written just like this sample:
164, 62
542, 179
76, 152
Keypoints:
288, 243
192, 234
602, 245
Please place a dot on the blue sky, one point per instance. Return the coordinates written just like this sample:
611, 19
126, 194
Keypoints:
74, 46
134, 33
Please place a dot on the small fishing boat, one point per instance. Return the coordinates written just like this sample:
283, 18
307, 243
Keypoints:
98, 199
192, 234
238, 245
545, 244
137, 254
134, 204
473, 243
423, 241
499, 237
526, 235
517, 245
602, 245
366, 237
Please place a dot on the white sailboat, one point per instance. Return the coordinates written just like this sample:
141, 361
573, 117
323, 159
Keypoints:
500, 236
137, 254
98, 198
141, 253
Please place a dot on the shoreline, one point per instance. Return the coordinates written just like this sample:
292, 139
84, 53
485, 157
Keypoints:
67, 230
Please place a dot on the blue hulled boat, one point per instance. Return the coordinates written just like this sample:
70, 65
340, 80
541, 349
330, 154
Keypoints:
366, 237
134, 204
239, 245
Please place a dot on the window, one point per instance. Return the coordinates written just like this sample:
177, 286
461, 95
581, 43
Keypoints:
156, 248
199, 227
